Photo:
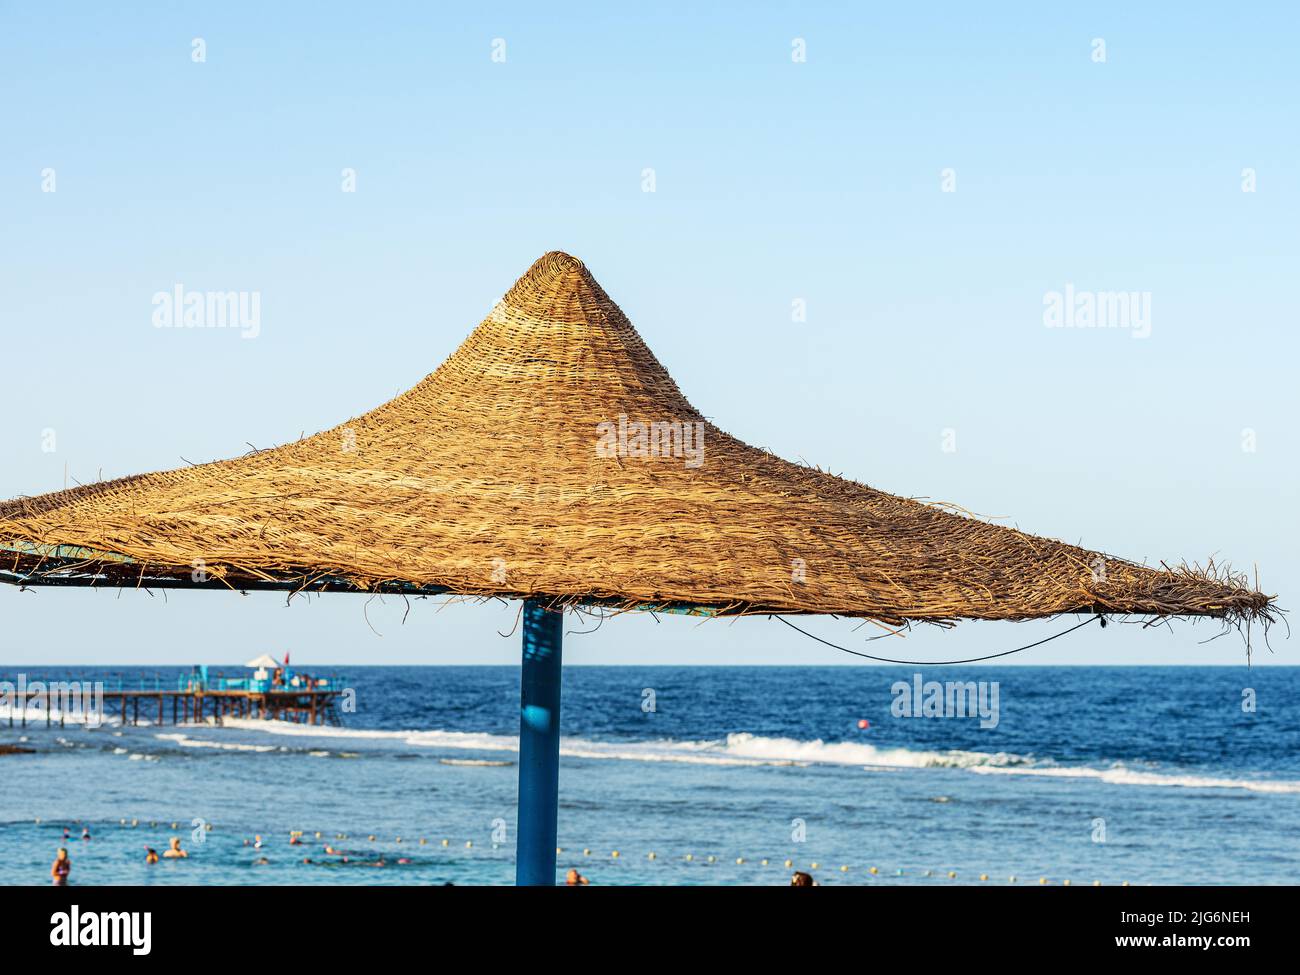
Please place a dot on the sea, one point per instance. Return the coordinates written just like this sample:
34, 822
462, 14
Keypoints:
685, 775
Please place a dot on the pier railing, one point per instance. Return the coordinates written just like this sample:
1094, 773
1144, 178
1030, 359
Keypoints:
194, 682
291, 682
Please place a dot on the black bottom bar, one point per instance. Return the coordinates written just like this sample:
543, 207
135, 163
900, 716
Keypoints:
940, 927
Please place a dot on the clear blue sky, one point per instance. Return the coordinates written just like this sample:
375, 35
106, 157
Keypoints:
775, 180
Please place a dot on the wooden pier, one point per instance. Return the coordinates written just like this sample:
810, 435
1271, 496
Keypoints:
201, 706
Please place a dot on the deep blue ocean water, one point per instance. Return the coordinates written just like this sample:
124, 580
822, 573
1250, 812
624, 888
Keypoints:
1111, 774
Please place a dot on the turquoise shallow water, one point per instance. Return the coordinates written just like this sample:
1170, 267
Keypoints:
1146, 775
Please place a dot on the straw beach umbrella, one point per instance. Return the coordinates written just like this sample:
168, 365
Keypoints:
552, 459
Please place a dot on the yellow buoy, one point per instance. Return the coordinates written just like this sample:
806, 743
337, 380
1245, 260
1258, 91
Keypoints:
446, 842
1124, 884
984, 876
399, 839
763, 861
712, 858
690, 856
371, 837
952, 873
814, 865
614, 854
586, 851
650, 855
423, 841
739, 860
789, 863
1042, 880
1065, 883
468, 844
1011, 879
874, 870
1096, 883
844, 868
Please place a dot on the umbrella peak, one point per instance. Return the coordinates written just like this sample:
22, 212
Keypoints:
556, 347
554, 262
558, 290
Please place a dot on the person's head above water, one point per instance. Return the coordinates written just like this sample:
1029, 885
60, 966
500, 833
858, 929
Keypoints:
175, 842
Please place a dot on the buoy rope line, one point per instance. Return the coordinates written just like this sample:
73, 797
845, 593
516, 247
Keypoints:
564, 856
943, 663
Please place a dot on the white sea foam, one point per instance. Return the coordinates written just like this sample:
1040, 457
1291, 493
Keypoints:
474, 762
34, 715
736, 749
1120, 775
185, 741
744, 749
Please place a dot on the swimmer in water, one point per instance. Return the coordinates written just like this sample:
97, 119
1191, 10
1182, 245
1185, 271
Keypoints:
257, 842
575, 879
61, 867
85, 833
150, 855
174, 851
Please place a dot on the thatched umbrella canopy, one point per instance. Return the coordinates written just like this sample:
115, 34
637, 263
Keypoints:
552, 458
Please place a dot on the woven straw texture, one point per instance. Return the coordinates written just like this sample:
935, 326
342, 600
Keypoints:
494, 477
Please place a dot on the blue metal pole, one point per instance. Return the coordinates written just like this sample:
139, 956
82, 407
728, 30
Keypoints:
539, 746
